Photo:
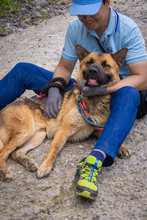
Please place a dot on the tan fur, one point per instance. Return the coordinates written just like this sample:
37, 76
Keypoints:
23, 125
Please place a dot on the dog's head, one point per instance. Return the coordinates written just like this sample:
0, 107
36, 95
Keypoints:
99, 69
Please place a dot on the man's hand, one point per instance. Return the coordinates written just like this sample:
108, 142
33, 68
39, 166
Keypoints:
91, 91
53, 103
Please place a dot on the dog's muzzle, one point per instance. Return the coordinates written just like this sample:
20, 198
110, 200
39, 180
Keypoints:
92, 75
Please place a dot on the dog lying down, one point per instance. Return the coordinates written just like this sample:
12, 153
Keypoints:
23, 125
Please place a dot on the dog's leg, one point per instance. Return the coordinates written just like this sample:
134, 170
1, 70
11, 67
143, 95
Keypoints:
124, 152
58, 142
13, 143
19, 155
4, 153
4, 172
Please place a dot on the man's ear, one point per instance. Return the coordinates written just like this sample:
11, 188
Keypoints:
119, 56
107, 3
81, 52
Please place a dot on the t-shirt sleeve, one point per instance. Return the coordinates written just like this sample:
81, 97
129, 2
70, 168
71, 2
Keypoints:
69, 50
136, 46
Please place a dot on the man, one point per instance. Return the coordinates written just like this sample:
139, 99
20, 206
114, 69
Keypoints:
96, 22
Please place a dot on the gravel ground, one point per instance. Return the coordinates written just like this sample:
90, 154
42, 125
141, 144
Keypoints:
31, 12
122, 187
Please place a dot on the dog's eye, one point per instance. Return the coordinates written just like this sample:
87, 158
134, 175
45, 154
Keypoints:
89, 62
105, 64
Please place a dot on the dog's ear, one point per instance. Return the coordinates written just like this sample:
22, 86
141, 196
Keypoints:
119, 56
81, 52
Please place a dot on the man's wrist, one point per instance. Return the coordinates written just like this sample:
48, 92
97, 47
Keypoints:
110, 89
53, 83
53, 88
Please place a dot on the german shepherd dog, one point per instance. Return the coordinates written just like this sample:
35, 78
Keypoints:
23, 125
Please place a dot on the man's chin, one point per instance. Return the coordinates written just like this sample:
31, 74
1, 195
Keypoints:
90, 27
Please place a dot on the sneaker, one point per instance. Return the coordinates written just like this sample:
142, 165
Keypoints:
87, 175
80, 166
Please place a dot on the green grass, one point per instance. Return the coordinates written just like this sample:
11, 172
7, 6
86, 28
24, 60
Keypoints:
44, 15
3, 32
51, 1
11, 5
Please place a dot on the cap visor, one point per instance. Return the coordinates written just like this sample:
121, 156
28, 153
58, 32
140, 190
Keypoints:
91, 9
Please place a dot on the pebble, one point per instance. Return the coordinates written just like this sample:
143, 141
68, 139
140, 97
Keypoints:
81, 147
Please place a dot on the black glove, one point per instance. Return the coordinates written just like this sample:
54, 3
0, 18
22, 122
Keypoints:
91, 91
53, 103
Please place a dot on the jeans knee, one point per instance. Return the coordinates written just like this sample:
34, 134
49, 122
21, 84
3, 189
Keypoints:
133, 94
21, 70
19, 66
130, 94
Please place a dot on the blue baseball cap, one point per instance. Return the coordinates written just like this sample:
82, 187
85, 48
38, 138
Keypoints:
85, 7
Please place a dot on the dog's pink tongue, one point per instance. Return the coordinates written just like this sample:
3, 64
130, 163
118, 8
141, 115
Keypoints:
92, 81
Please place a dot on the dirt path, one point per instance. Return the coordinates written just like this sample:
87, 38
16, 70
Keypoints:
122, 187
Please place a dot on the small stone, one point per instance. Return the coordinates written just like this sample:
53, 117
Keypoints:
23, 24
38, 7
35, 23
27, 21
38, 15
81, 147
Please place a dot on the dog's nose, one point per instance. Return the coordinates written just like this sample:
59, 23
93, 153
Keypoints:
93, 70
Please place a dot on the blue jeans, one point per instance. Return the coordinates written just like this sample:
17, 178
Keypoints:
124, 104
24, 76
124, 107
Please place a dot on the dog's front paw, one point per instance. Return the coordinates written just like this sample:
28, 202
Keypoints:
124, 152
5, 175
43, 171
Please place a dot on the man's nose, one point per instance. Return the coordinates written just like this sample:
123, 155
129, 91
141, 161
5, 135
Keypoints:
87, 18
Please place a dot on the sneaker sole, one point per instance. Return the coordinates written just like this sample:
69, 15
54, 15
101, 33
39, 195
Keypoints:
84, 194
